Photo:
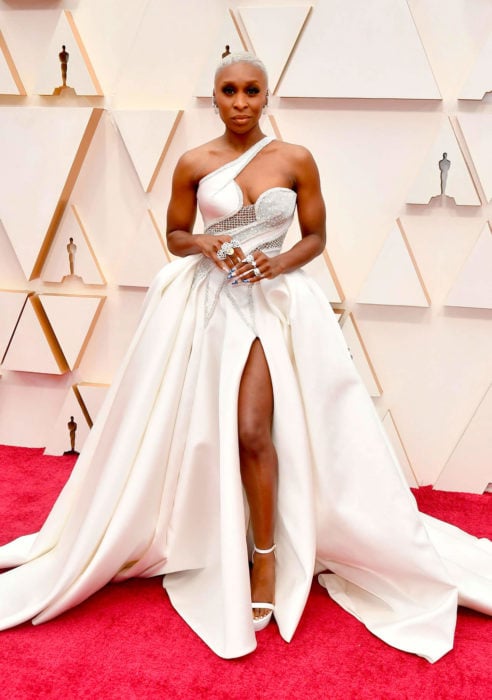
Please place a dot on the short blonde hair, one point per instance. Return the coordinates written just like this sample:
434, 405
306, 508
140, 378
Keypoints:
241, 57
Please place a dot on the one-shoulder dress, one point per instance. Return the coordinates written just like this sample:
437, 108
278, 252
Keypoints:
157, 488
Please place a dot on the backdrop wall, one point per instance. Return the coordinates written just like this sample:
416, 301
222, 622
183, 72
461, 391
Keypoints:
378, 91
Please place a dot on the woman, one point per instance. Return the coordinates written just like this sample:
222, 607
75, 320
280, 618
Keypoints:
238, 365
240, 96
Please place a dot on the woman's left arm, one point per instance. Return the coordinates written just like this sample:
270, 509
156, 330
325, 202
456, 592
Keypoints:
311, 214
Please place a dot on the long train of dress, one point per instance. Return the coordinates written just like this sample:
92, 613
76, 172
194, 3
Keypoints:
157, 488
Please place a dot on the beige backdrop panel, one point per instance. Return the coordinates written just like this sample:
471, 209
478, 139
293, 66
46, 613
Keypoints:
427, 367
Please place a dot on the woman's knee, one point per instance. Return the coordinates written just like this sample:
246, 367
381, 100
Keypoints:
254, 436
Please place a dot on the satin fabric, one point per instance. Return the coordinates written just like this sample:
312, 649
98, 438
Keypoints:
157, 488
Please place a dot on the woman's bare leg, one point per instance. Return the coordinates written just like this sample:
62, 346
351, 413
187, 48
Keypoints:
259, 468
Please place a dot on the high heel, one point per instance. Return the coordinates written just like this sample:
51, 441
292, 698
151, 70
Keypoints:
261, 622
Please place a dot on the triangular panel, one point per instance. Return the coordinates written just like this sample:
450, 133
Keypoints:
228, 35
10, 82
394, 278
72, 250
457, 183
273, 32
11, 306
469, 467
72, 319
473, 286
34, 347
92, 396
80, 73
479, 81
477, 130
354, 49
144, 256
397, 444
360, 356
48, 147
147, 135
11, 274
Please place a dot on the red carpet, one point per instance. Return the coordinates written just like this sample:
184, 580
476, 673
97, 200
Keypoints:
127, 642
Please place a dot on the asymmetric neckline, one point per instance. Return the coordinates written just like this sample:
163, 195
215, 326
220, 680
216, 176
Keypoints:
247, 155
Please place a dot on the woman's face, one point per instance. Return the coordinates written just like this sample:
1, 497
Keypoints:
240, 94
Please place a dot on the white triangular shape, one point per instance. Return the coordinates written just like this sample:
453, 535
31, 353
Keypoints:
30, 348
44, 143
226, 36
273, 32
469, 467
479, 81
362, 50
458, 185
11, 274
11, 305
394, 279
63, 255
72, 319
92, 396
10, 82
360, 356
147, 134
477, 130
145, 255
473, 286
80, 73
399, 449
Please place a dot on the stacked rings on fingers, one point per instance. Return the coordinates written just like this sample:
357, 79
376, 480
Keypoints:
256, 271
227, 249
250, 259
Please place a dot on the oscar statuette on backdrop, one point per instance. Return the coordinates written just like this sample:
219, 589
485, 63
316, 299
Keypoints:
64, 89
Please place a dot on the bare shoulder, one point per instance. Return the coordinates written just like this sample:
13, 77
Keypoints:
195, 163
295, 154
298, 160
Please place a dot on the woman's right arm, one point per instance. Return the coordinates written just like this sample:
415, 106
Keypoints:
181, 214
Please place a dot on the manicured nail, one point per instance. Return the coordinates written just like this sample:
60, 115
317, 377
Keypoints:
235, 282
245, 281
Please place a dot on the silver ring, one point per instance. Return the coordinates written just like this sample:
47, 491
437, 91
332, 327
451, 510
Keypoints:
250, 259
225, 250
256, 271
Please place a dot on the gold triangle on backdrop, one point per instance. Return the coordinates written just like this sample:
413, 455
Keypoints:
12, 303
473, 285
81, 77
361, 356
48, 146
395, 278
469, 466
399, 448
63, 256
10, 81
147, 135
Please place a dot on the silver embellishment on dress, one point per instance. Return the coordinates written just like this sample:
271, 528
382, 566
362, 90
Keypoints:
245, 216
246, 219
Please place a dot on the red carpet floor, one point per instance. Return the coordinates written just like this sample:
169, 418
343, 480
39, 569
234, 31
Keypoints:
127, 642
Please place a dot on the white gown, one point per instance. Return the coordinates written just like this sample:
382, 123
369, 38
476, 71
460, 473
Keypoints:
157, 488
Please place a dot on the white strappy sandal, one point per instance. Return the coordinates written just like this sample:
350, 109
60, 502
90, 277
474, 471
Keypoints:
261, 622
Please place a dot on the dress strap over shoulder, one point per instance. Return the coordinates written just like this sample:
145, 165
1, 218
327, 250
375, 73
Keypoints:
234, 167
218, 193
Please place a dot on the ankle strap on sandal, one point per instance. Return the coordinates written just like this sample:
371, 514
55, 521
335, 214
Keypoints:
264, 551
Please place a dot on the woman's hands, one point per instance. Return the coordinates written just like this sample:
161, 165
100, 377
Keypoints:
239, 267
254, 267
